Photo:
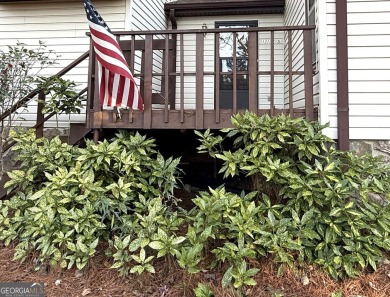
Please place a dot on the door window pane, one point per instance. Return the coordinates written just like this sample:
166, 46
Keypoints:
228, 46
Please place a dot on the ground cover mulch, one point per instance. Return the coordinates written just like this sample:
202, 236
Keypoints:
99, 280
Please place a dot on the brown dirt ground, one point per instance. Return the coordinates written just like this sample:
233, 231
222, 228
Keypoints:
99, 280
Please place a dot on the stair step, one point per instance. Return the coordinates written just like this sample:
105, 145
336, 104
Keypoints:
77, 132
3, 191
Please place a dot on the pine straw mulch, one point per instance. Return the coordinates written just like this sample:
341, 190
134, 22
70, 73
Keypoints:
170, 281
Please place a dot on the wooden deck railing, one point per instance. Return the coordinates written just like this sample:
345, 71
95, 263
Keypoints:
171, 108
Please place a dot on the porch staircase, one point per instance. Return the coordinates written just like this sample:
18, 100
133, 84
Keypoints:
77, 131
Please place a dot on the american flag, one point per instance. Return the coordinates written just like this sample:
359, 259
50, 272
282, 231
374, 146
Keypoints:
116, 83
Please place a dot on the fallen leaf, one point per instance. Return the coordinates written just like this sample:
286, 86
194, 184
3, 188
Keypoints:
211, 276
305, 280
386, 261
372, 285
86, 292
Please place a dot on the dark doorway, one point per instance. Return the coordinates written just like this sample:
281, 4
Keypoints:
227, 49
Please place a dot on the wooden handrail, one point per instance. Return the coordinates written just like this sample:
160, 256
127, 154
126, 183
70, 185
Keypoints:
35, 92
216, 30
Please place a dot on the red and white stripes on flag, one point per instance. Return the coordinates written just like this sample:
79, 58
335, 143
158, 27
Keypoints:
116, 83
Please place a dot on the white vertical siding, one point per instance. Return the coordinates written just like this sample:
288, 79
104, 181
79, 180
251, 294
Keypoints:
316, 78
149, 15
295, 16
369, 68
62, 26
209, 59
330, 35
264, 56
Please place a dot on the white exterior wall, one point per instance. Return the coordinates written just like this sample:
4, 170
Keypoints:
148, 15
209, 59
369, 68
329, 104
295, 16
62, 26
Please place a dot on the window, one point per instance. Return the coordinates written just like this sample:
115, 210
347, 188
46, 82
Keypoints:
311, 20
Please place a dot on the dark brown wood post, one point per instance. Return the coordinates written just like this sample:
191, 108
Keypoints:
96, 135
148, 81
342, 75
40, 115
172, 69
132, 54
181, 78
272, 82
252, 62
199, 123
91, 86
217, 80
234, 73
97, 107
166, 80
290, 76
308, 69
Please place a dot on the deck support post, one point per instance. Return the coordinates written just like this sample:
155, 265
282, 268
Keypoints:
96, 135
342, 75
40, 115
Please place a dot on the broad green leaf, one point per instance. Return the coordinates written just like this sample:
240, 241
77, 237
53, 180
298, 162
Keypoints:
117, 265
156, 245
37, 195
271, 218
178, 240
227, 277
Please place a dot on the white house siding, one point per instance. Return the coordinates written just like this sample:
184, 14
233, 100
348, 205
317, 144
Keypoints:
149, 15
369, 68
209, 59
62, 26
295, 16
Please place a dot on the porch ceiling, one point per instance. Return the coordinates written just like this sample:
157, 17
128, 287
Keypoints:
185, 8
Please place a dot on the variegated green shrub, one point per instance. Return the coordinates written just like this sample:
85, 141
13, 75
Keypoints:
65, 199
331, 207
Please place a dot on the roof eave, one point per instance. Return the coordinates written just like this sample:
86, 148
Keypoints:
225, 8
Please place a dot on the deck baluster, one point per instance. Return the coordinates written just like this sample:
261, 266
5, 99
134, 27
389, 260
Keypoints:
217, 80
308, 68
272, 83
234, 73
290, 80
148, 65
166, 79
199, 122
181, 78
252, 72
